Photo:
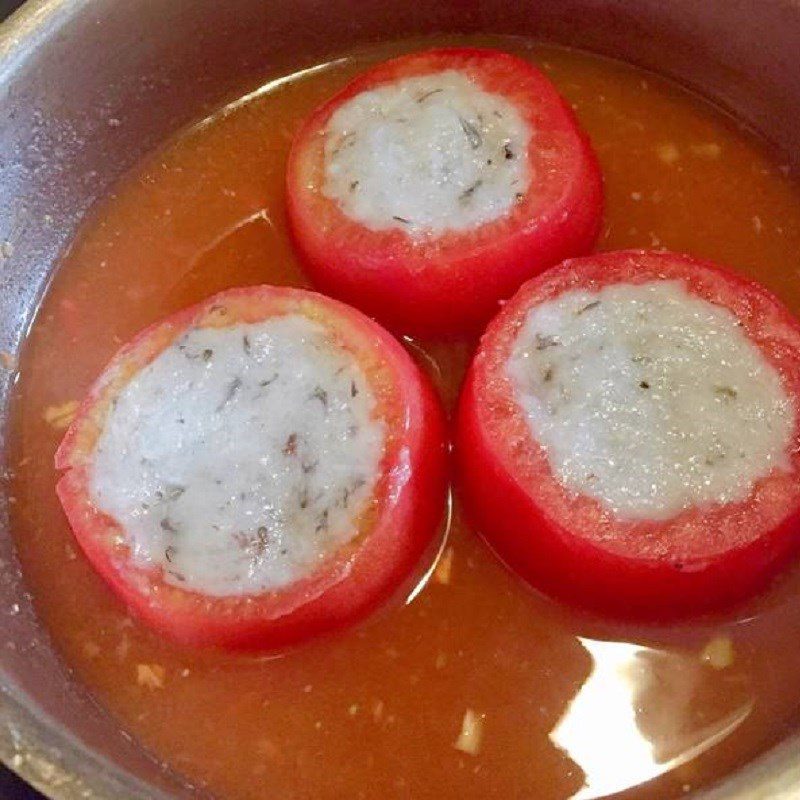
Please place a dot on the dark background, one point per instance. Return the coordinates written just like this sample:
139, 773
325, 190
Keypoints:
7, 6
11, 787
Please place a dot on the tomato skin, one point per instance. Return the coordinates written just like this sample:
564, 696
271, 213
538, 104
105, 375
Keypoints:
452, 283
349, 584
570, 547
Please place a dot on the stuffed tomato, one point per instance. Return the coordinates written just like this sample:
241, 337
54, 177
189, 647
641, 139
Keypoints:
257, 469
628, 434
434, 184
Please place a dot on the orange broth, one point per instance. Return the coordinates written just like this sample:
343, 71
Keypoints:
565, 704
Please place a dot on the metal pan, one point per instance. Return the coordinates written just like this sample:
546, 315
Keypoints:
69, 66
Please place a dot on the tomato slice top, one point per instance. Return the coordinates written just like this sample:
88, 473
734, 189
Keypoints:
648, 398
257, 468
433, 152
241, 456
648, 402
427, 154
433, 185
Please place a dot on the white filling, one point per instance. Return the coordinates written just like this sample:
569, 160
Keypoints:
241, 456
649, 399
426, 154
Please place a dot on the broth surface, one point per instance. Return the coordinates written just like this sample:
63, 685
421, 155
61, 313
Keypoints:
567, 705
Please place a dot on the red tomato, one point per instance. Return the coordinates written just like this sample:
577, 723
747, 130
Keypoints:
569, 544
406, 506
450, 282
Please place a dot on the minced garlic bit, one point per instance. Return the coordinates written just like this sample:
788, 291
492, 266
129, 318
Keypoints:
441, 660
150, 675
469, 739
668, 153
91, 649
60, 416
444, 567
123, 648
718, 653
353, 710
708, 150
268, 748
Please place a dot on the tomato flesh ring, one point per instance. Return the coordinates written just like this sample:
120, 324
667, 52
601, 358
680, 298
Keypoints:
570, 545
352, 580
451, 281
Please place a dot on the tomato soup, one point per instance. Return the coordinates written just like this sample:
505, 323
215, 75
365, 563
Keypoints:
468, 684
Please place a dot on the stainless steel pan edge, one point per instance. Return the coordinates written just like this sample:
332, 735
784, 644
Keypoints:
67, 67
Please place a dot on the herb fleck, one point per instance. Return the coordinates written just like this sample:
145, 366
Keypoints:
644, 385
233, 388
471, 132
353, 389
401, 219
262, 540
171, 492
246, 345
544, 341
320, 394
586, 308
726, 392
466, 195
348, 140
423, 97
268, 381
168, 526
290, 448
508, 152
323, 521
